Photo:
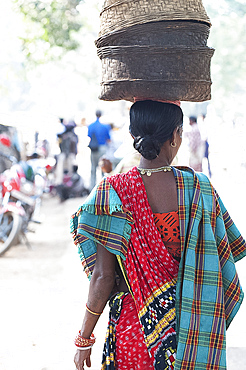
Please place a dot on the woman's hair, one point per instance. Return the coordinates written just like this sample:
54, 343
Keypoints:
151, 124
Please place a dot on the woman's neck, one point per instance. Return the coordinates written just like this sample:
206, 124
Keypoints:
155, 163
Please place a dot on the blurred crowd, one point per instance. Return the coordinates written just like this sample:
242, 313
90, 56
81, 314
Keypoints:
88, 151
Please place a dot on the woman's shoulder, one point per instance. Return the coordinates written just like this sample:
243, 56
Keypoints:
190, 173
102, 200
192, 179
123, 176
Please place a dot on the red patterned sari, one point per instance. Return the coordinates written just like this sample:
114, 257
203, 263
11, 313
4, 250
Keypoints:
152, 273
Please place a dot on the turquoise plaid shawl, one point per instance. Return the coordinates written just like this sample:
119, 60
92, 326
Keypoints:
208, 293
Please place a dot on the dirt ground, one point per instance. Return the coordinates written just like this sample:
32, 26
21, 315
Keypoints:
43, 295
44, 290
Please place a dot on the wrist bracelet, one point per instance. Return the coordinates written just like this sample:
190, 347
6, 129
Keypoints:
83, 348
81, 342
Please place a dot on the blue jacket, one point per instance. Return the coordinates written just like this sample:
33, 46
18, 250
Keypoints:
101, 131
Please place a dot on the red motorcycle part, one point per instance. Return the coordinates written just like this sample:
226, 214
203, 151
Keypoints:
5, 140
13, 207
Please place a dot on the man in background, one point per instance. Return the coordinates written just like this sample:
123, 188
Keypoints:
196, 145
68, 142
100, 137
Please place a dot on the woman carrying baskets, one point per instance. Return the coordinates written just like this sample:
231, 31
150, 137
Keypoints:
159, 242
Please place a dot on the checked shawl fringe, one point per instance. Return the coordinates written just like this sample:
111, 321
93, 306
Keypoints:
101, 220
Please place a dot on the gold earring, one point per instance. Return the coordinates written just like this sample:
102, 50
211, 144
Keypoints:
173, 145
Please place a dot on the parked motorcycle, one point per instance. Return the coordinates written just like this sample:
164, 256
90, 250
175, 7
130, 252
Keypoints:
20, 197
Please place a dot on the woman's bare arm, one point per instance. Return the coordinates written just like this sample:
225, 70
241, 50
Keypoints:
101, 285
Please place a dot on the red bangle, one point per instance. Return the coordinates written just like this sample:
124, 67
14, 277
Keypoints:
84, 342
92, 312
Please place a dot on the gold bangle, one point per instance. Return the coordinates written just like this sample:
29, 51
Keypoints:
92, 312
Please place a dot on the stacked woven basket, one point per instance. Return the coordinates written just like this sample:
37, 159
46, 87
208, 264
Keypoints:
155, 49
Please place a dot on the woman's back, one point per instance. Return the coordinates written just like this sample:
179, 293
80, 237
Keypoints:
161, 191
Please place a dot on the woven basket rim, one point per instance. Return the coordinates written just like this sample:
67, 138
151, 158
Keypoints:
173, 81
198, 90
170, 26
120, 2
139, 47
122, 25
131, 17
143, 49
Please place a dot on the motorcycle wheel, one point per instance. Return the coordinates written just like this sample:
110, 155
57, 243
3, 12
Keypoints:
10, 227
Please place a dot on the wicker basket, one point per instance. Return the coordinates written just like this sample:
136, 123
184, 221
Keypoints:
192, 91
173, 73
163, 33
155, 49
117, 15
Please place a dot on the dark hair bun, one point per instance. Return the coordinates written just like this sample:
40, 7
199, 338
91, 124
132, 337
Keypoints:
147, 147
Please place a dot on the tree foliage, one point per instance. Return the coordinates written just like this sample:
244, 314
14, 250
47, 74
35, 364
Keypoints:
50, 28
